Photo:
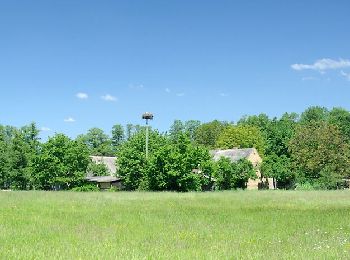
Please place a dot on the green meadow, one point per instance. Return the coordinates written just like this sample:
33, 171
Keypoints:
215, 225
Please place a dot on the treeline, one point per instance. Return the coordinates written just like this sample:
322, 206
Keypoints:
310, 150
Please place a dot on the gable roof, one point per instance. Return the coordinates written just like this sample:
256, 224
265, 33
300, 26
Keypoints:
110, 162
234, 154
103, 179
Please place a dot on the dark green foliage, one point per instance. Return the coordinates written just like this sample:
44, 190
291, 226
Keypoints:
97, 169
132, 161
314, 114
279, 168
4, 159
86, 188
98, 142
118, 136
171, 167
313, 151
19, 162
176, 129
207, 134
233, 175
261, 121
132, 129
189, 128
341, 118
242, 137
319, 147
62, 164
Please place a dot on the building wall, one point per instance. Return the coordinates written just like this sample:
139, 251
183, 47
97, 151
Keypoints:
256, 160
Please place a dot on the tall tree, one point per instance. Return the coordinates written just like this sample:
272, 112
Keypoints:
61, 164
232, 175
320, 147
20, 157
132, 162
207, 134
118, 135
280, 169
31, 136
191, 127
176, 129
242, 137
314, 114
279, 133
98, 142
4, 159
172, 166
340, 117
260, 121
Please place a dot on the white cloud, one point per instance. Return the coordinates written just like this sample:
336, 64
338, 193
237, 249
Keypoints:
82, 95
180, 94
224, 94
346, 75
69, 120
45, 129
322, 65
167, 90
109, 97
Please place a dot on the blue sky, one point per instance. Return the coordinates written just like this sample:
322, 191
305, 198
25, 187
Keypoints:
192, 59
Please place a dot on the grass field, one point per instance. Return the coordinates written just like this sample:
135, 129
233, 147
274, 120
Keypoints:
222, 225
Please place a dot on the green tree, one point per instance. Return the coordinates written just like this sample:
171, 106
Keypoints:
176, 129
341, 118
318, 146
31, 136
131, 158
4, 159
19, 154
61, 164
242, 137
171, 167
129, 131
233, 175
260, 121
97, 169
280, 169
279, 133
98, 142
118, 135
207, 134
314, 114
191, 127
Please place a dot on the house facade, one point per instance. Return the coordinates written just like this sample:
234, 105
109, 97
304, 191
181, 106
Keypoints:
105, 182
252, 155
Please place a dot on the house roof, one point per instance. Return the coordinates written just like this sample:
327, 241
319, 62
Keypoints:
110, 162
234, 154
102, 179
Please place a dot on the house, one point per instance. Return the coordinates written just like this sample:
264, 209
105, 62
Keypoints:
110, 163
105, 182
252, 155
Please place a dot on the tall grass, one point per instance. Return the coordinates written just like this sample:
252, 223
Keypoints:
222, 225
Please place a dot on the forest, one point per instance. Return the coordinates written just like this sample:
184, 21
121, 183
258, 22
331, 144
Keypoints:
310, 150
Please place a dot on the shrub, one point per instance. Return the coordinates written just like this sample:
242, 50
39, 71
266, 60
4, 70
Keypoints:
86, 188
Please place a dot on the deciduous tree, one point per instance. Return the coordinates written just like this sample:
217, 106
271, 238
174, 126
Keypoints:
242, 137
318, 146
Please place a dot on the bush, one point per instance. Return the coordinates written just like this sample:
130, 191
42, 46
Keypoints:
86, 188
304, 186
233, 175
